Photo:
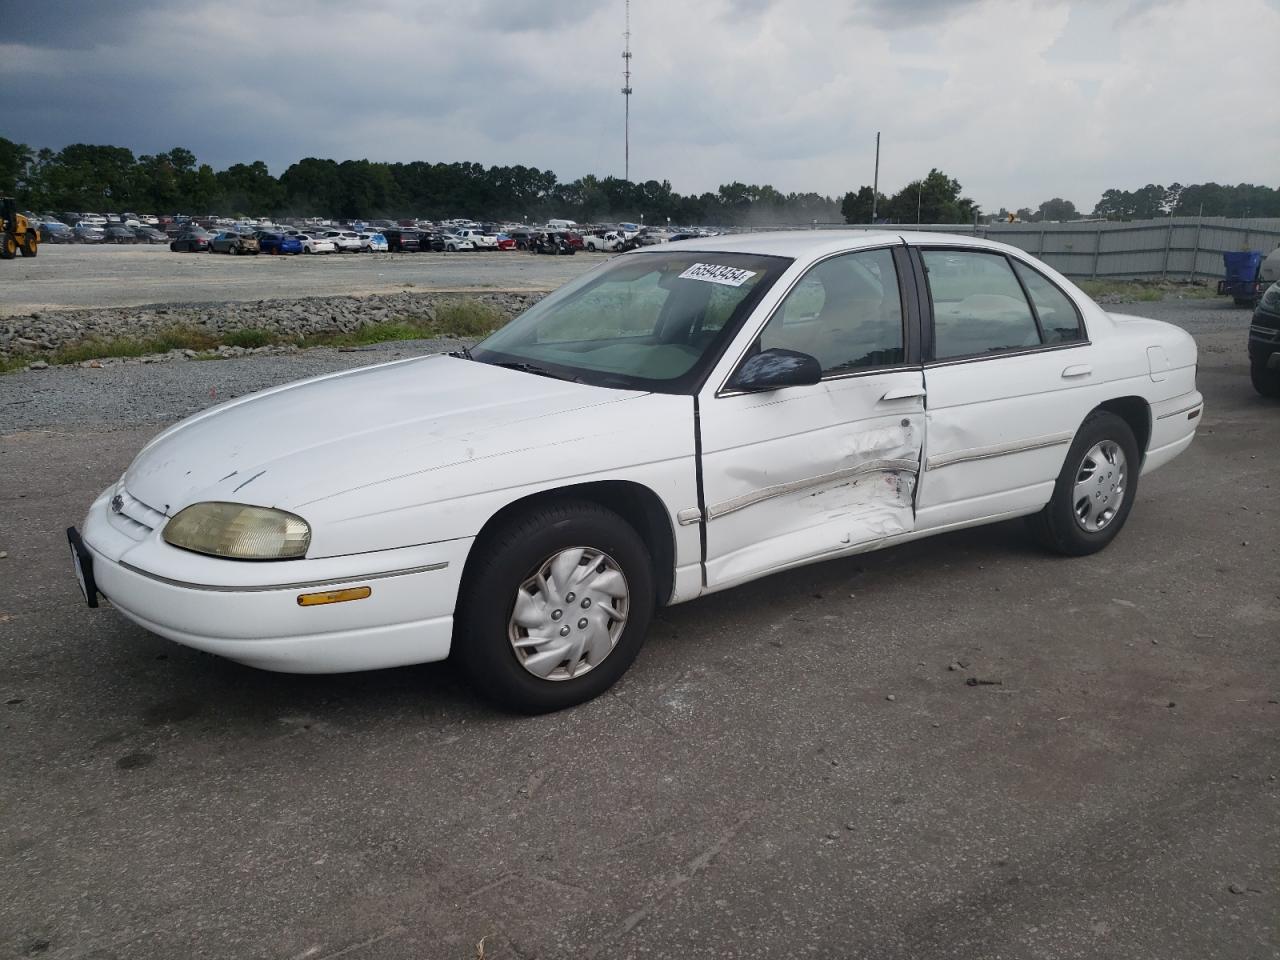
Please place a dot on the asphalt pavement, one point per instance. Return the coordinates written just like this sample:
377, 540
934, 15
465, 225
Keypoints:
957, 748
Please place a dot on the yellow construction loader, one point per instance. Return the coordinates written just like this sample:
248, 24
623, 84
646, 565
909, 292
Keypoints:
17, 234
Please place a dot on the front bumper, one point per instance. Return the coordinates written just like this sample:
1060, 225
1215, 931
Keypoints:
249, 612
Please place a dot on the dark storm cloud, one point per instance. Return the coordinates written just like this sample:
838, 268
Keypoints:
900, 14
72, 24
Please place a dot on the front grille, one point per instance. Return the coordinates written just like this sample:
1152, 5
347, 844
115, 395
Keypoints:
134, 518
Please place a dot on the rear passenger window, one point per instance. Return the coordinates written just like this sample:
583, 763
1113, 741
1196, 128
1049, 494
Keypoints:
978, 304
1059, 318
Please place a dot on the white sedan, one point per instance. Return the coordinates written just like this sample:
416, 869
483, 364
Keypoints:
314, 244
676, 421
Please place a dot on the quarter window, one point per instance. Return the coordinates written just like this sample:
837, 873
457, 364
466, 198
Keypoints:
978, 304
846, 311
1059, 318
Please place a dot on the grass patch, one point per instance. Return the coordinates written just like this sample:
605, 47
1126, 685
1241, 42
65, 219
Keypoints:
250, 338
174, 338
455, 318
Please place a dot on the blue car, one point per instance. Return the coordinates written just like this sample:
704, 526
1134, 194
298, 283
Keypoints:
279, 243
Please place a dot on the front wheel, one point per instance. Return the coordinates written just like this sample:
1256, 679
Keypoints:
29, 245
554, 607
1265, 381
1095, 490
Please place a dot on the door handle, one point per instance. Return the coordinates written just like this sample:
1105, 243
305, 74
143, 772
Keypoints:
1078, 370
904, 393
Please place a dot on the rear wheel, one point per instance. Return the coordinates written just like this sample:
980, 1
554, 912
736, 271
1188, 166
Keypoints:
1265, 381
8, 246
554, 607
1095, 490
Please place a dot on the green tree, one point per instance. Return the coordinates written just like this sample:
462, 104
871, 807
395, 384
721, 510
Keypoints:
1057, 209
857, 207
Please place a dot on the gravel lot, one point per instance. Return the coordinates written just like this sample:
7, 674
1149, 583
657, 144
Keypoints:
789, 769
79, 275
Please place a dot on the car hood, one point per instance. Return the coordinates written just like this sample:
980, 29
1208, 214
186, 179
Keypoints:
316, 438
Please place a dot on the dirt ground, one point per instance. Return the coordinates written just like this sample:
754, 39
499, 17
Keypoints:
790, 769
84, 275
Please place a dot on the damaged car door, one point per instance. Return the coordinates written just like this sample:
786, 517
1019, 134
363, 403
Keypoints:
802, 472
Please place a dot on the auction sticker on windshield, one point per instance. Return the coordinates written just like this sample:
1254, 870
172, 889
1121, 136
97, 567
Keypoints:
718, 273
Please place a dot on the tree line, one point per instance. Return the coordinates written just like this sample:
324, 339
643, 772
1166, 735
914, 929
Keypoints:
91, 177
100, 177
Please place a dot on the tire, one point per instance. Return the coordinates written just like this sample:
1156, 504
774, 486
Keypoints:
1058, 526
30, 246
1266, 382
173, 248
505, 565
8, 246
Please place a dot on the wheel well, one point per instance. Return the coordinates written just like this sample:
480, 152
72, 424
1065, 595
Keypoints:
1137, 413
634, 502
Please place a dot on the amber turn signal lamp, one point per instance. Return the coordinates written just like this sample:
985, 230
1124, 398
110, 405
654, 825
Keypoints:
333, 596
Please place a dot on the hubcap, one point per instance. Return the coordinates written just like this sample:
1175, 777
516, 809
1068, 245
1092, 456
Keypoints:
569, 614
1100, 486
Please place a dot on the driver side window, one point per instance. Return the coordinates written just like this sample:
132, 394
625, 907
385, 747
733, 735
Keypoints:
846, 312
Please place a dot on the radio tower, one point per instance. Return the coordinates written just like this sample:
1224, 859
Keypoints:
626, 98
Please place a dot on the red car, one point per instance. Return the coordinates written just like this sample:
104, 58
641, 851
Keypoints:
505, 242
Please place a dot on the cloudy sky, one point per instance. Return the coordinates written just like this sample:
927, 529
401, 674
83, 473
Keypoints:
1020, 100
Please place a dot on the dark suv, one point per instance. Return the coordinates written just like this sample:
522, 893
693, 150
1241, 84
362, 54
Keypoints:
1264, 343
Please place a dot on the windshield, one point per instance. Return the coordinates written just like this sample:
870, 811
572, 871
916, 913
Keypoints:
649, 321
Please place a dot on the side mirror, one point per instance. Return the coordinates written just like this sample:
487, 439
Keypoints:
776, 368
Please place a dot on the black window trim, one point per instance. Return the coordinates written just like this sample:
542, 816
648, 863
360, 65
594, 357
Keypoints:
926, 295
912, 319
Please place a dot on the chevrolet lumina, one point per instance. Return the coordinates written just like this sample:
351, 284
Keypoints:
678, 420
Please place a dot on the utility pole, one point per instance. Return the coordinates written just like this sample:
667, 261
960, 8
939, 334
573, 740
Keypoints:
875, 183
626, 98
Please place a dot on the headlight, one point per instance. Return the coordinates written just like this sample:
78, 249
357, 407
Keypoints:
239, 532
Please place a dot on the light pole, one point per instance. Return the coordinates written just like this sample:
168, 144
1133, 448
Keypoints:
875, 182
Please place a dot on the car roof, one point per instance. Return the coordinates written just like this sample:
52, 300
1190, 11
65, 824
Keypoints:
811, 244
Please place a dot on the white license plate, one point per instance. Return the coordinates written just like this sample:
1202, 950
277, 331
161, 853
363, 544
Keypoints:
75, 562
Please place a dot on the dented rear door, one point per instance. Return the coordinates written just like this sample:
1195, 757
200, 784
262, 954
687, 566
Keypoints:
803, 473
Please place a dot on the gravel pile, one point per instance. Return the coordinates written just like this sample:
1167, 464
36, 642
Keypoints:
48, 330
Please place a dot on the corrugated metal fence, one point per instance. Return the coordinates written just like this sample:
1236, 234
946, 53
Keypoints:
1186, 248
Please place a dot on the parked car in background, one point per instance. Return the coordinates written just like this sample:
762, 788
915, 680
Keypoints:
1264, 343
231, 241
345, 241
478, 239
118, 233
522, 237
314, 244
505, 242
457, 243
55, 231
375, 241
191, 240
403, 239
602, 241
145, 234
89, 232
278, 243
432, 241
